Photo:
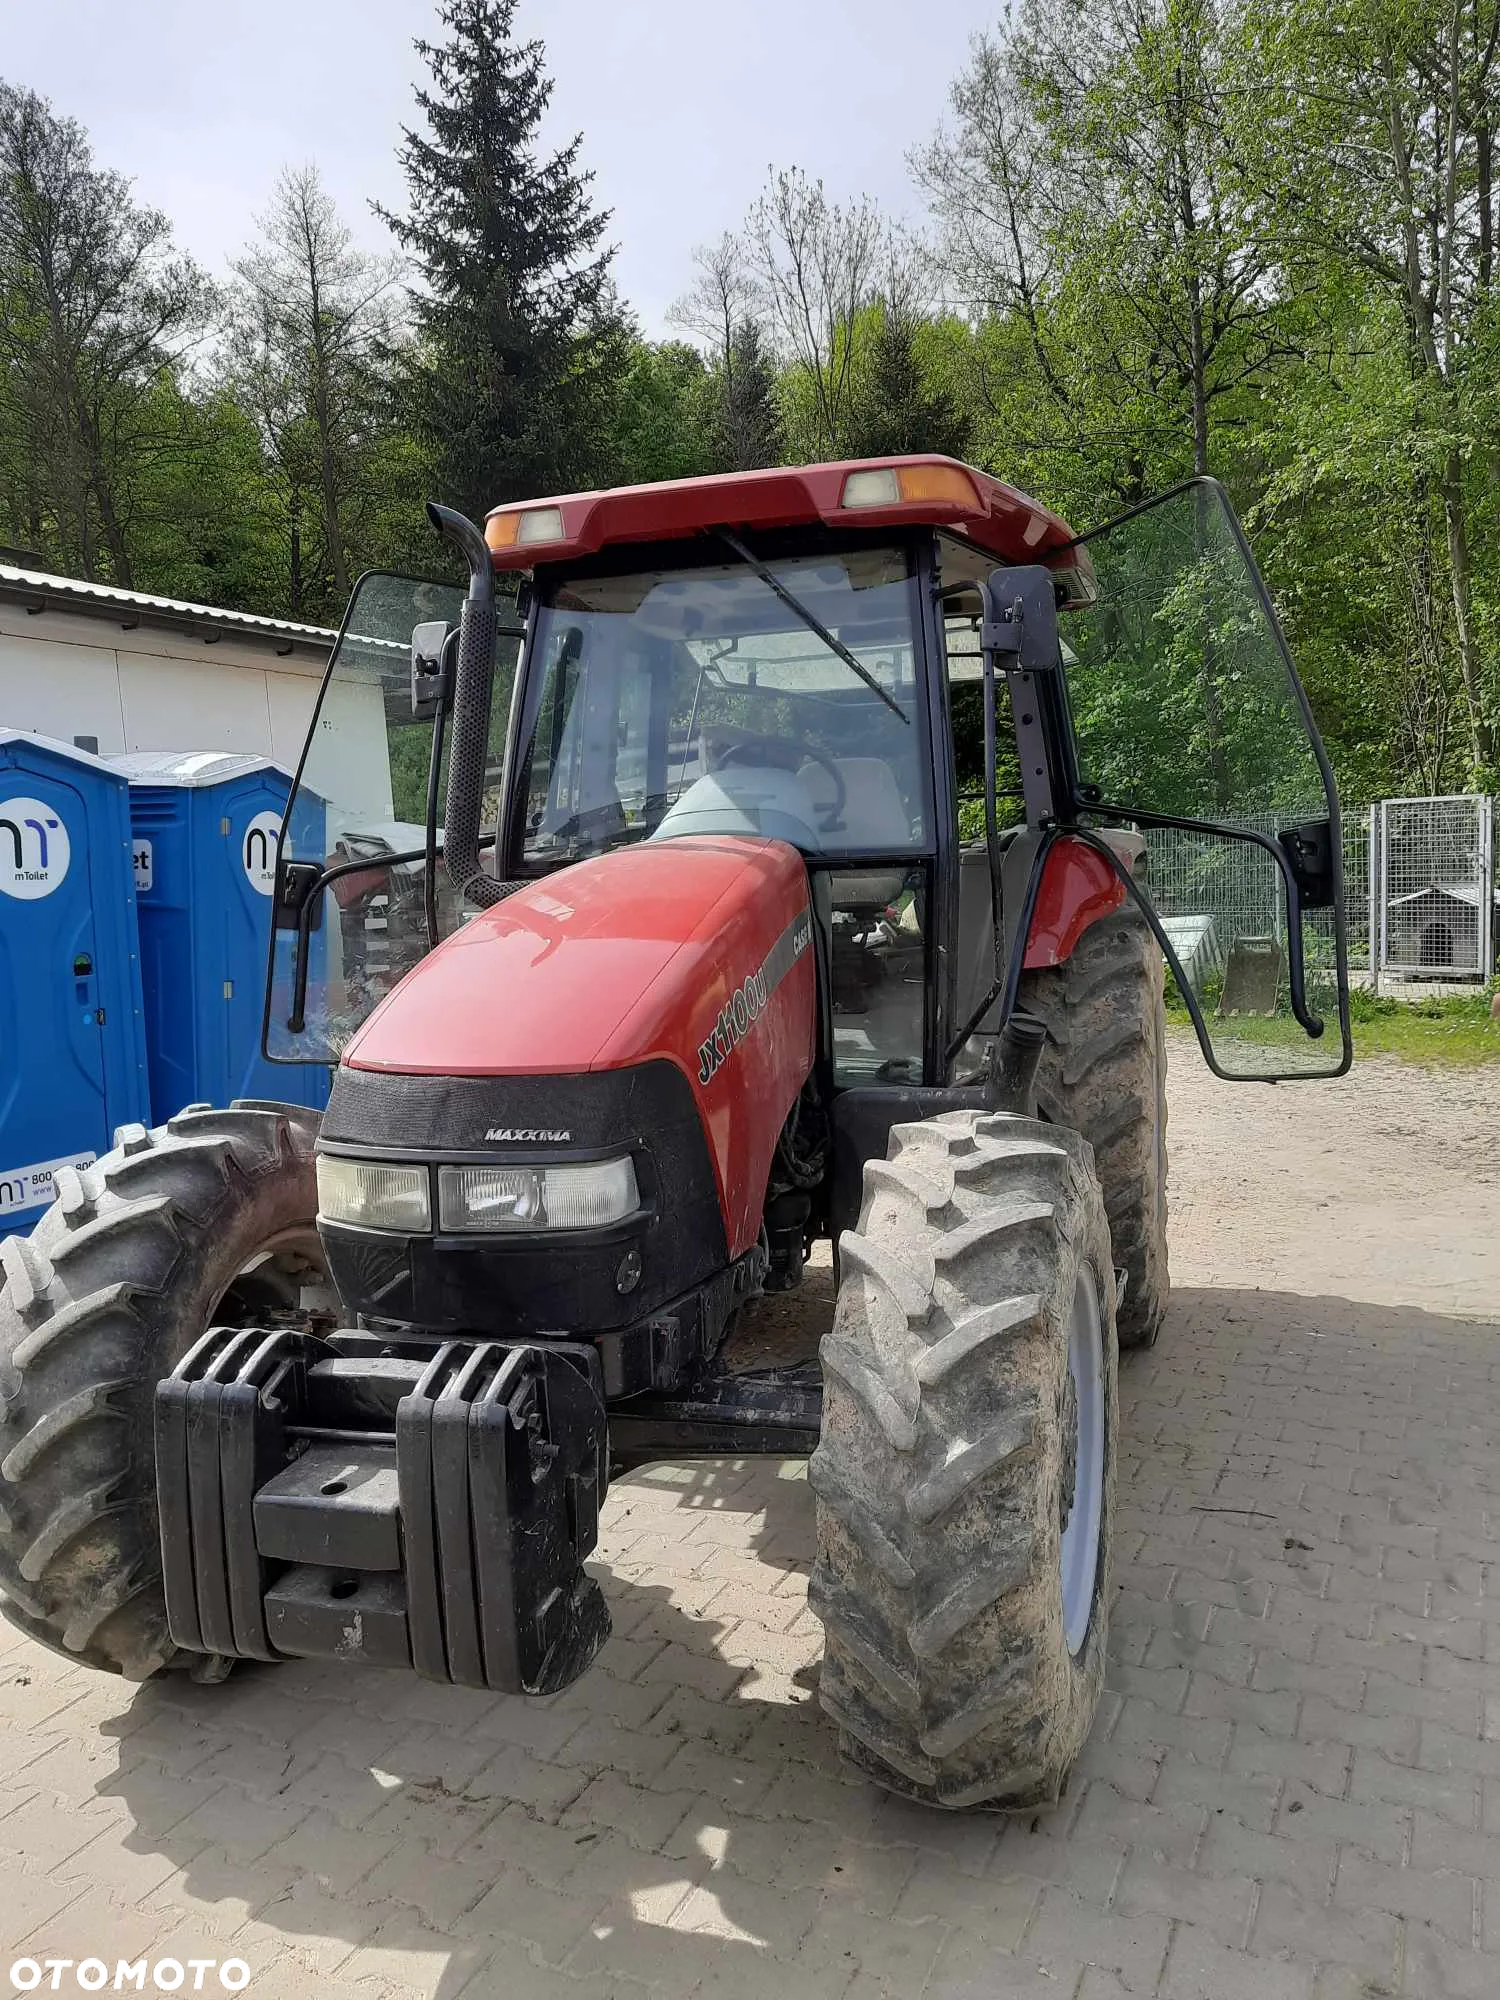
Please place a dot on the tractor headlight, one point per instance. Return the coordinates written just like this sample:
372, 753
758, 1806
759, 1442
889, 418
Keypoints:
587, 1196
370, 1196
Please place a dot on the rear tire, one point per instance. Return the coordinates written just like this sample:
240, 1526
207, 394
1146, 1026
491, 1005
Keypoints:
964, 1645
208, 1219
1104, 1073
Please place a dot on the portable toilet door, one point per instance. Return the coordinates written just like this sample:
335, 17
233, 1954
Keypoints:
206, 827
72, 1043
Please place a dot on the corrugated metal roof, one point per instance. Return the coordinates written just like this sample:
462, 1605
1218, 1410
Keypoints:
70, 593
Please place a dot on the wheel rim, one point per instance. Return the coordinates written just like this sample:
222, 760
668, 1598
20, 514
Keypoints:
1083, 1462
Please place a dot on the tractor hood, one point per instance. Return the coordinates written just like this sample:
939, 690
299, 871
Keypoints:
616, 960
694, 952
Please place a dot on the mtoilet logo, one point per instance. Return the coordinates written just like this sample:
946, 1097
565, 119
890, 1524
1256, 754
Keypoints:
34, 849
259, 851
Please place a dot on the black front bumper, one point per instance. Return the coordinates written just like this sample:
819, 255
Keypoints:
429, 1510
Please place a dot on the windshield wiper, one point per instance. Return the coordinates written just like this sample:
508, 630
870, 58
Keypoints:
810, 619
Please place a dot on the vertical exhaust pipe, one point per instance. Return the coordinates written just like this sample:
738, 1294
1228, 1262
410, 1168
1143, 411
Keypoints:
473, 690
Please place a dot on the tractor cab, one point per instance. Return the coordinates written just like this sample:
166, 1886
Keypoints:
800, 654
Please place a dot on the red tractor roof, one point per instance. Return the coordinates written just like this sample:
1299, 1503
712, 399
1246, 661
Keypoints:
864, 493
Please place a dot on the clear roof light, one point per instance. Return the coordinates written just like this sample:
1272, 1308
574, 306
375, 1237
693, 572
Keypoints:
878, 487
540, 524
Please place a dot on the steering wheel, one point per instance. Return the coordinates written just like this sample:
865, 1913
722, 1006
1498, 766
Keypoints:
780, 753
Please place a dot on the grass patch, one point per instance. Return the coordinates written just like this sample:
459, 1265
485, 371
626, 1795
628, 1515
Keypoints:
1449, 1030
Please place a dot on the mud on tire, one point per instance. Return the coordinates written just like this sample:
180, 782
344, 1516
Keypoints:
1104, 1073
943, 1462
210, 1216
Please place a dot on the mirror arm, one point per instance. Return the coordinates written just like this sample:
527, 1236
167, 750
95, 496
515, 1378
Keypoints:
1184, 986
296, 1020
1008, 980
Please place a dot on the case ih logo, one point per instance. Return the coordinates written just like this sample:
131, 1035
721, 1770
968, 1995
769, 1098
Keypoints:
34, 849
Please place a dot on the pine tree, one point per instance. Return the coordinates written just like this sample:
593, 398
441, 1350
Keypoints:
520, 335
896, 407
749, 420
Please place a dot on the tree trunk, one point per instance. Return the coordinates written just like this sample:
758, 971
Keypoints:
1456, 521
1208, 679
333, 533
294, 550
114, 538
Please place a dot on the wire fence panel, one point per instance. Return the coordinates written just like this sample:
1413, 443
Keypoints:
1356, 844
1420, 881
1433, 896
1195, 875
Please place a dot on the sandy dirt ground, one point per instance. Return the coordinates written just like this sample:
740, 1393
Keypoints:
1382, 1187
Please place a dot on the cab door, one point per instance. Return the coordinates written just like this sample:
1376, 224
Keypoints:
1189, 723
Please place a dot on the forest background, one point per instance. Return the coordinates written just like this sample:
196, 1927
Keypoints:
1254, 238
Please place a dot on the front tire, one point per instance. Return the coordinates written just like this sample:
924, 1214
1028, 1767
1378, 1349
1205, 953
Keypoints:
965, 1625
210, 1218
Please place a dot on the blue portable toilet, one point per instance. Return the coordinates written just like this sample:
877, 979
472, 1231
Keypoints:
72, 1030
205, 827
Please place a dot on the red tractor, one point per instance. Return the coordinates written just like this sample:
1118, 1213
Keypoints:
718, 975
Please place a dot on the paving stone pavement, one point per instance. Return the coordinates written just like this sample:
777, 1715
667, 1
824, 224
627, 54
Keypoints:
1292, 1791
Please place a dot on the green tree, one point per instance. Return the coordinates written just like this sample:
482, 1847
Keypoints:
747, 420
901, 402
726, 307
1385, 158
664, 421
520, 340
1097, 197
816, 263
311, 320
95, 308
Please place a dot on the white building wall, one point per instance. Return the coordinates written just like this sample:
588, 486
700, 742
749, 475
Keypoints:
145, 689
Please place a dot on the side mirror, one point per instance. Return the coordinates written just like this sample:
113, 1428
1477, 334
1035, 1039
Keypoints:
427, 675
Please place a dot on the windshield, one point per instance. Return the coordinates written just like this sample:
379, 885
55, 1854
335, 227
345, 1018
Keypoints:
698, 701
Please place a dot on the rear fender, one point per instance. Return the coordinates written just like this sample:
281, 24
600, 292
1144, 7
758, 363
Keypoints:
1078, 888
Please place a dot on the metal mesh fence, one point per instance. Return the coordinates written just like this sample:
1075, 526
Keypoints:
1357, 888
1434, 890
1232, 881
1422, 872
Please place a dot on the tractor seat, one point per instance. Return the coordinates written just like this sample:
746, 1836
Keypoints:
743, 799
875, 815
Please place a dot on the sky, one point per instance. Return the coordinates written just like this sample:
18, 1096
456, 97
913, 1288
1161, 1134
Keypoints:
684, 105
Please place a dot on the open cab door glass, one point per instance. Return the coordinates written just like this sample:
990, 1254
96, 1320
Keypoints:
352, 900
1191, 725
